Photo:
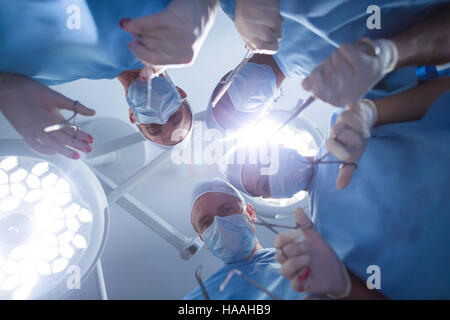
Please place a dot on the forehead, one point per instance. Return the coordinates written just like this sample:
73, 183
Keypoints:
210, 202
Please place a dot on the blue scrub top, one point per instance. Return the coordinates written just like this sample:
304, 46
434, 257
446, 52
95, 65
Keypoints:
395, 213
35, 39
262, 268
311, 29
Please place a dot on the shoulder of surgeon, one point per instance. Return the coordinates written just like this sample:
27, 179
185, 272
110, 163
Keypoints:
212, 284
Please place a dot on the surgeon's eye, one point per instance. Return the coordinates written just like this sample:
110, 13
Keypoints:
176, 118
207, 222
227, 210
153, 129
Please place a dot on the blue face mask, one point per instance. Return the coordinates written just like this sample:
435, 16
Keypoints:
230, 238
165, 100
293, 175
254, 88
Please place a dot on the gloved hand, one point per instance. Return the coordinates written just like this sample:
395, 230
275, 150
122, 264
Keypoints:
348, 137
311, 263
173, 37
259, 23
351, 71
31, 106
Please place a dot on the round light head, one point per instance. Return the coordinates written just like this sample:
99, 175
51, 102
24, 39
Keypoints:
301, 135
53, 222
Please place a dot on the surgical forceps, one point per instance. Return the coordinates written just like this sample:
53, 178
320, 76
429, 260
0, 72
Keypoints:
272, 226
200, 282
297, 110
248, 55
69, 122
251, 281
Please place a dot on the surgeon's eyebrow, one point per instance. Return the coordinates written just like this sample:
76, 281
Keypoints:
154, 129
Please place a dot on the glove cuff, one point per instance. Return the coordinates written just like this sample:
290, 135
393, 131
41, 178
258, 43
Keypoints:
388, 54
348, 287
369, 111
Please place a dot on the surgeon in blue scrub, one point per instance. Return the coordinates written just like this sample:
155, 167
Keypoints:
224, 221
317, 45
47, 43
378, 196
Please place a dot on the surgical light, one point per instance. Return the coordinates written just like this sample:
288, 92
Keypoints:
300, 134
53, 215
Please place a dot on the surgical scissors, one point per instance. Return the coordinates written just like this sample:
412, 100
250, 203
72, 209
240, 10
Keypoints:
248, 55
271, 226
64, 123
251, 281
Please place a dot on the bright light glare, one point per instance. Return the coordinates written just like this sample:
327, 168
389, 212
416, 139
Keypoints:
3, 177
261, 133
49, 239
63, 199
40, 168
50, 194
49, 180
72, 211
66, 251
57, 213
11, 282
21, 293
33, 196
55, 219
85, 215
33, 181
62, 186
19, 253
79, 241
18, 190
267, 132
18, 175
10, 266
49, 253
4, 190
30, 278
289, 137
9, 203
66, 237
9, 163
59, 265
72, 224
44, 268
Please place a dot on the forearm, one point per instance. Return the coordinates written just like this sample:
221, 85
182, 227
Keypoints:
360, 291
427, 43
412, 104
